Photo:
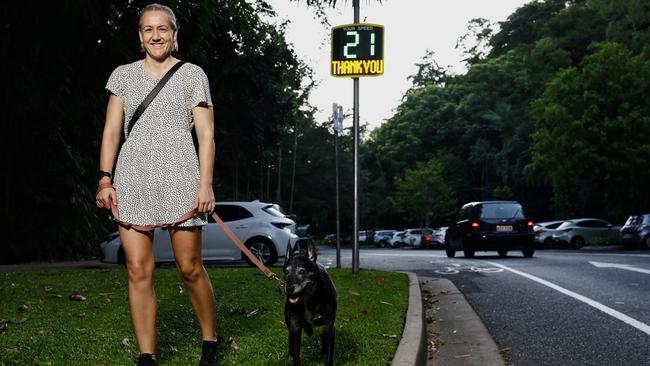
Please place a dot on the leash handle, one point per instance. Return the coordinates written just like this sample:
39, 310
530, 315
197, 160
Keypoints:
243, 248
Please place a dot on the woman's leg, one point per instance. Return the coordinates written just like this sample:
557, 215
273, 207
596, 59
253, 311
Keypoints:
189, 262
138, 253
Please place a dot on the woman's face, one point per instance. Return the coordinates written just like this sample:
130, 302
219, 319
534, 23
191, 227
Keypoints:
156, 34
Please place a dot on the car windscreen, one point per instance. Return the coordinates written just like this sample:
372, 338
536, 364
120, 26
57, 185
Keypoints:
271, 210
501, 211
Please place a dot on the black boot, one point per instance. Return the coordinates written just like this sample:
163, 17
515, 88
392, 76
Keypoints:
146, 359
209, 354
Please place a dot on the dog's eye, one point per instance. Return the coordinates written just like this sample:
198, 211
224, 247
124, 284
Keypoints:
301, 271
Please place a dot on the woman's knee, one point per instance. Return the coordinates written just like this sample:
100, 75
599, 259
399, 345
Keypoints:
139, 271
191, 271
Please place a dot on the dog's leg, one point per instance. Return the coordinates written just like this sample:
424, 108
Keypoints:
327, 344
294, 345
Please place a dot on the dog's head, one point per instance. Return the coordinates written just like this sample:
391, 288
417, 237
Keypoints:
301, 273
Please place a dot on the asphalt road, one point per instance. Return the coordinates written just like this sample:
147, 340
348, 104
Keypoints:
560, 307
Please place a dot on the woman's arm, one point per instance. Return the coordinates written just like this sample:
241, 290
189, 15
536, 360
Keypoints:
203, 123
110, 142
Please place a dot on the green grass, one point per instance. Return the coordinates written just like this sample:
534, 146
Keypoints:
50, 329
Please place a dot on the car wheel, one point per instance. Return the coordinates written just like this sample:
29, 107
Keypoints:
450, 252
468, 252
383, 244
528, 251
548, 243
577, 242
397, 244
263, 249
502, 252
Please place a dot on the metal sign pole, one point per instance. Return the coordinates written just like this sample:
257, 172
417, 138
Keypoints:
337, 116
355, 122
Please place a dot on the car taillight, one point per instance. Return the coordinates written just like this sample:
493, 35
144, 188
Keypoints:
475, 225
280, 225
540, 231
530, 224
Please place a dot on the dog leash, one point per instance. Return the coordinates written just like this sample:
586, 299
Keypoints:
267, 272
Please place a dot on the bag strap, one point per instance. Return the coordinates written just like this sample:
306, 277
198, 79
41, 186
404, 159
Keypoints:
152, 94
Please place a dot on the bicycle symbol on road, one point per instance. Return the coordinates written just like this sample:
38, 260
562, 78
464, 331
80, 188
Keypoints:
456, 269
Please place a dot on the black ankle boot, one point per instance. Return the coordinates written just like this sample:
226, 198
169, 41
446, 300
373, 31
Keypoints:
209, 354
146, 359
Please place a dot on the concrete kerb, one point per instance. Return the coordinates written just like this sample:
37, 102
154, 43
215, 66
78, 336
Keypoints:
412, 348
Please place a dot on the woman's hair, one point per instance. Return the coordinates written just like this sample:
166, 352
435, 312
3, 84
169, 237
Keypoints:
167, 10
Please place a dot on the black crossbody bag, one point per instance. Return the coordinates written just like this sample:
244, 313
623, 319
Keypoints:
151, 96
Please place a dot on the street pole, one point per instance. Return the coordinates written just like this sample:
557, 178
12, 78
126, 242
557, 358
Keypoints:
355, 121
338, 208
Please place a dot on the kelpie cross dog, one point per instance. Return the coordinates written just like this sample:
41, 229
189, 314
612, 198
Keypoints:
311, 301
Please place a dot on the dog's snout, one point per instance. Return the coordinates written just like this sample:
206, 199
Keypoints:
290, 288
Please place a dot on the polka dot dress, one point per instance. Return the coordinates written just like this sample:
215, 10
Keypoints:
157, 172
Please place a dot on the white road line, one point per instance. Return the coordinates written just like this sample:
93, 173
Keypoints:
645, 328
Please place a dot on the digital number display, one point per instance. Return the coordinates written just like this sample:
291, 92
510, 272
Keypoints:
357, 50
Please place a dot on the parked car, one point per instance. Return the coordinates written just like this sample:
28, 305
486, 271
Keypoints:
397, 240
330, 239
382, 238
365, 236
413, 237
439, 236
579, 232
490, 225
636, 232
262, 227
544, 232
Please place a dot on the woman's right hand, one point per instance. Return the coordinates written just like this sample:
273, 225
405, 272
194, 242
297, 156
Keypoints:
105, 197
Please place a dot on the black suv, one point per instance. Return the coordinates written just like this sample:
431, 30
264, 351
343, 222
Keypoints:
636, 232
490, 225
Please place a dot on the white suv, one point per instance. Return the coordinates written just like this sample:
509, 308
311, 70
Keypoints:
262, 227
579, 232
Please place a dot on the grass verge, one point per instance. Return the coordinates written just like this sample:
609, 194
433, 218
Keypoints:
41, 325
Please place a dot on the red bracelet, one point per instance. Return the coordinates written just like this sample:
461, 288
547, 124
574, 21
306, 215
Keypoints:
102, 186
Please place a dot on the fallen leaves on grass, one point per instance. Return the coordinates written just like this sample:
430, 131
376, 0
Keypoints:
463, 355
76, 297
386, 303
389, 335
23, 308
180, 288
251, 313
233, 344
126, 343
354, 293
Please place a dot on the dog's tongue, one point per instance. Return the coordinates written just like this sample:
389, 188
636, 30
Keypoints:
294, 300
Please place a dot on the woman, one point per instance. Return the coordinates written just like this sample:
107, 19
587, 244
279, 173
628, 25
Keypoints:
159, 181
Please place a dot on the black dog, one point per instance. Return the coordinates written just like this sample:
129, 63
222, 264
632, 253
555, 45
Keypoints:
311, 301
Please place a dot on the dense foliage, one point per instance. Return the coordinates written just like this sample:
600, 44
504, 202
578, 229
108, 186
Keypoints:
553, 115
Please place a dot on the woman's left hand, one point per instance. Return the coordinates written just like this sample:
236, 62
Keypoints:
204, 201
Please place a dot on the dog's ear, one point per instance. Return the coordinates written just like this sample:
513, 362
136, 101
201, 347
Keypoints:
289, 251
311, 251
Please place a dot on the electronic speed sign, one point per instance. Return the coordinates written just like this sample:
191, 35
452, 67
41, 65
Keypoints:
357, 50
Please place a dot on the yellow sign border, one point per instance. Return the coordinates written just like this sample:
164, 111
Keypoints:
356, 25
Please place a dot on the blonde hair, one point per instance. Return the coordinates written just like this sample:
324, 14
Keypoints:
170, 14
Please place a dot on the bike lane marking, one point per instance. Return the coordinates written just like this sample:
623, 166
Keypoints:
595, 304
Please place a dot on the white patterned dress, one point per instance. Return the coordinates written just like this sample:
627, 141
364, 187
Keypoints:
157, 172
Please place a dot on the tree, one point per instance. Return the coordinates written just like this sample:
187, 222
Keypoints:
422, 193
591, 142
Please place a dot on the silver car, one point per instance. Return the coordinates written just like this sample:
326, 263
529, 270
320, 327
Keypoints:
262, 227
579, 232
544, 232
